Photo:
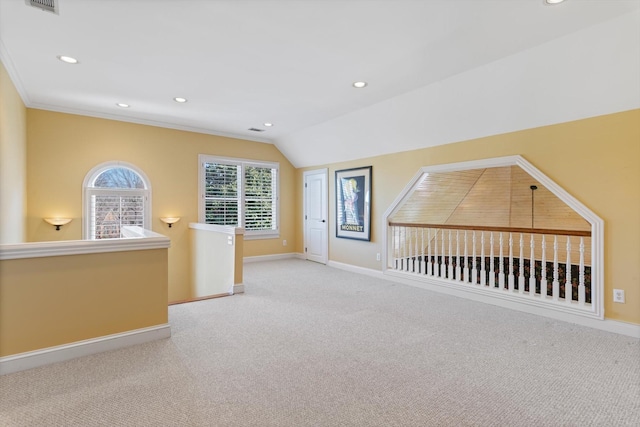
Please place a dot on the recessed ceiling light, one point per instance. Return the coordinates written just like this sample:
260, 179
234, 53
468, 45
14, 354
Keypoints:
180, 100
268, 124
360, 85
123, 105
67, 59
553, 1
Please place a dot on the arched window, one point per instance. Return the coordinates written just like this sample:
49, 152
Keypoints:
115, 194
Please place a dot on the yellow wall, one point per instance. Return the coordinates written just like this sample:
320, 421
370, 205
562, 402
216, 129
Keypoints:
13, 162
596, 160
57, 300
62, 148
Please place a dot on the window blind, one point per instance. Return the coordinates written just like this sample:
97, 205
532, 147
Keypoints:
221, 193
260, 201
240, 194
110, 212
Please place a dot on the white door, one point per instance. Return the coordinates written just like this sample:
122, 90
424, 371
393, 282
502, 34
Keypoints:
316, 215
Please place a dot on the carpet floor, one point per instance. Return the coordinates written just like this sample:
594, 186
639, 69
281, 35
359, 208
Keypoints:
310, 345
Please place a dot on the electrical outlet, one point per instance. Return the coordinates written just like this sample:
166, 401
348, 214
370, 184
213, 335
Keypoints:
284, 243
378, 256
618, 295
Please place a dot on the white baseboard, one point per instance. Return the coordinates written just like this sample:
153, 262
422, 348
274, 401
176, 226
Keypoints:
274, 257
622, 328
238, 288
355, 269
608, 325
61, 353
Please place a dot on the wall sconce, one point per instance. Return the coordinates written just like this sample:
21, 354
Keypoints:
170, 220
58, 222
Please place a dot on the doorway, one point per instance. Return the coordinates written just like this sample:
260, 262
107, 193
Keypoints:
316, 215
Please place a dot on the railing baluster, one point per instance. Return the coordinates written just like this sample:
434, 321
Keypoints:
532, 269
474, 262
568, 284
492, 274
423, 260
396, 247
400, 249
556, 284
410, 247
416, 262
416, 251
511, 276
411, 251
543, 269
442, 264
404, 249
483, 273
521, 266
450, 259
410, 263
407, 246
581, 293
429, 265
420, 250
458, 275
433, 254
413, 258
501, 265
396, 251
466, 260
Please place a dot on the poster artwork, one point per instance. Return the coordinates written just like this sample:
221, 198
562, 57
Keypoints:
353, 203
353, 209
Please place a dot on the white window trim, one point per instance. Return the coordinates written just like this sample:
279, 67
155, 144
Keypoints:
248, 234
90, 178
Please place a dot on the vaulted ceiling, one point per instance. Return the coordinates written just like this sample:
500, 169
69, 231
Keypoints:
492, 197
438, 71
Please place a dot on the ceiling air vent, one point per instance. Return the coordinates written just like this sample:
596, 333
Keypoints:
256, 130
46, 5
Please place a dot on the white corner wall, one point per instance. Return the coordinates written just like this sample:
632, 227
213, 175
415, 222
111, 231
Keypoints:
13, 162
213, 259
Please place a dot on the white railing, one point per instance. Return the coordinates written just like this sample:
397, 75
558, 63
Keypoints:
498, 259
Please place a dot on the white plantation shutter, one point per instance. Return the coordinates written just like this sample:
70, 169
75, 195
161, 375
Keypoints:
115, 196
221, 193
240, 193
109, 212
260, 198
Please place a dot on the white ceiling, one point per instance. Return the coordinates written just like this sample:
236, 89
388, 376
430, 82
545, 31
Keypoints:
242, 63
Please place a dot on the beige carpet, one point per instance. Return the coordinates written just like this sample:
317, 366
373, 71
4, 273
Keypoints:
308, 345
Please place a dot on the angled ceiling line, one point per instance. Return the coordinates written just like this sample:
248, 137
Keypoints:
446, 221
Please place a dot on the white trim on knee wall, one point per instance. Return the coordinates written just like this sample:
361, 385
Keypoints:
33, 359
615, 326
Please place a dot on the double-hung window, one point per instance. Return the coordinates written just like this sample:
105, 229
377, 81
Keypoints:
115, 194
240, 193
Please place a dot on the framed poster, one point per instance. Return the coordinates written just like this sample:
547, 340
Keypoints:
353, 203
